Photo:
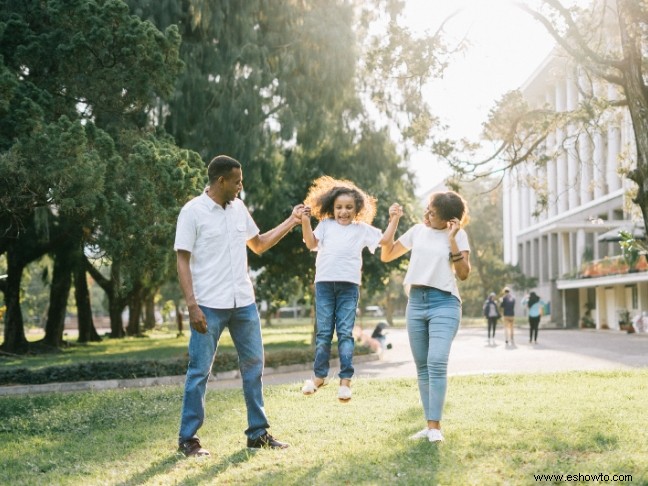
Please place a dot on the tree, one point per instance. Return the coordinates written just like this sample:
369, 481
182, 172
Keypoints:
607, 42
77, 79
295, 90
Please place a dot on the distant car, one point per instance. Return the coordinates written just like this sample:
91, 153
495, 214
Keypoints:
374, 311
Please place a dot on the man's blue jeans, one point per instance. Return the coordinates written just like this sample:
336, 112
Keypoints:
245, 328
335, 309
432, 322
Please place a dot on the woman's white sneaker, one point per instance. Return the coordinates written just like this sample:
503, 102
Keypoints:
435, 435
421, 434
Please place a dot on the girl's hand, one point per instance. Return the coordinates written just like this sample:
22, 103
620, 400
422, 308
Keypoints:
306, 213
454, 225
395, 211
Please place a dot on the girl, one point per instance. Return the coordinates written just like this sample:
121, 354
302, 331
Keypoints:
440, 251
344, 230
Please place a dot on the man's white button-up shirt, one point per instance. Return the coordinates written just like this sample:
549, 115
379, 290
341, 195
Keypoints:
217, 239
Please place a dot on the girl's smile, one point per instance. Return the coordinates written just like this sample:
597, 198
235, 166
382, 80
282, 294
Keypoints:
344, 209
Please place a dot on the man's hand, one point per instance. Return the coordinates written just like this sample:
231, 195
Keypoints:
297, 213
197, 319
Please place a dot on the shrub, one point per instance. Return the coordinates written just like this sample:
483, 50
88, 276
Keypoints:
126, 369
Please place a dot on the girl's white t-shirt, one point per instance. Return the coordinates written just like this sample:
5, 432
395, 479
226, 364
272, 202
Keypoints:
339, 250
430, 263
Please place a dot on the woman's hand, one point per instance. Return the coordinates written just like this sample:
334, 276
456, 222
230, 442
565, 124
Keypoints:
395, 211
454, 225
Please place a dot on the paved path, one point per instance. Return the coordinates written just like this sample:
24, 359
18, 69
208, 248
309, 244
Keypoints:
558, 350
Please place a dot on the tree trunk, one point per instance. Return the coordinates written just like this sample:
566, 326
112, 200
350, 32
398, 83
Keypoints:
115, 301
14, 330
134, 312
87, 330
59, 293
636, 95
179, 319
115, 308
149, 311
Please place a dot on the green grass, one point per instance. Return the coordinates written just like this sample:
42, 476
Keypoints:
500, 429
157, 345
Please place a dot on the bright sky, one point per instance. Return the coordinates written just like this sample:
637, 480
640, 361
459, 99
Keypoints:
506, 47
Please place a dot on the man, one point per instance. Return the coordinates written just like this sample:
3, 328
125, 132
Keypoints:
211, 237
508, 312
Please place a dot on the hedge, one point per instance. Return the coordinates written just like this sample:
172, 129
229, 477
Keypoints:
125, 369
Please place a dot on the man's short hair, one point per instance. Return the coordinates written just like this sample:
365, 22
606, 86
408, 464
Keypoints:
221, 165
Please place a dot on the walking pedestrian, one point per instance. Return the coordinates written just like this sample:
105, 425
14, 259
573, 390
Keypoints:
491, 313
535, 306
508, 312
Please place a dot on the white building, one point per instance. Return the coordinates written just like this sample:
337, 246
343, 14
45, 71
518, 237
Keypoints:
585, 198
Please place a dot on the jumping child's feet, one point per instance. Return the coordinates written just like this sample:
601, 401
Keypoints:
311, 386
344, 392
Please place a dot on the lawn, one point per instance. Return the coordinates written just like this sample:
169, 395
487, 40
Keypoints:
500, 429
159, 345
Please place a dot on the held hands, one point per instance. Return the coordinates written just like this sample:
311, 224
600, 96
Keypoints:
297, 214
306, 214
395, 211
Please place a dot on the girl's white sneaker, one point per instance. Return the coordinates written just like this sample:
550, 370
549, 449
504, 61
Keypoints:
344, 393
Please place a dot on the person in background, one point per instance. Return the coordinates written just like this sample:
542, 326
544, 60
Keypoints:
508, 311
491, 313
380, 334
440, 255
535, 306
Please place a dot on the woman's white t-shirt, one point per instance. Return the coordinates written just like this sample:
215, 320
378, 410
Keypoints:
339, 250
430, 263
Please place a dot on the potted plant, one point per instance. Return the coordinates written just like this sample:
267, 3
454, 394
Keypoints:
630, 250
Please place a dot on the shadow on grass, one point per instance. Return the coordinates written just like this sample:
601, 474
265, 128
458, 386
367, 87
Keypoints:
158, 468
209, 474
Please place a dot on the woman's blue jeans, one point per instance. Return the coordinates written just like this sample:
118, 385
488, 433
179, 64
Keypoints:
433, 318
335, 309
245, 329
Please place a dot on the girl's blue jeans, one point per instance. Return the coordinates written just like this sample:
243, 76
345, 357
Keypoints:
433, 318
335, 310
245, 329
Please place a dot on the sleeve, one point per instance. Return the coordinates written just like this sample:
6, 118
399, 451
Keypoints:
372, 236
407, 238
320, 230
462, 240
185, 231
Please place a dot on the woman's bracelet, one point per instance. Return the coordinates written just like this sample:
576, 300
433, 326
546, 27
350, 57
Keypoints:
458, 259
455, 255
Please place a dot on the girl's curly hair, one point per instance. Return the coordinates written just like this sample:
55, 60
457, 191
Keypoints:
323, 192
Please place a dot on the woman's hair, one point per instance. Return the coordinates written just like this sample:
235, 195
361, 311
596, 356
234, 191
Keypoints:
449, 205
325, 190
533, 298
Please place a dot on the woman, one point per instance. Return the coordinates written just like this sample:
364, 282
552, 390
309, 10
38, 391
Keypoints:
440, 251
535, 312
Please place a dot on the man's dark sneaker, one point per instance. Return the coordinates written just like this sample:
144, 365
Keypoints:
266, 441
192, 447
